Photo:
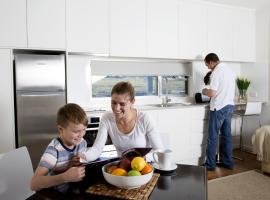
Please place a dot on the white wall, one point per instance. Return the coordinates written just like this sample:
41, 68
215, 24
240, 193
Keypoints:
7, 132
259, 74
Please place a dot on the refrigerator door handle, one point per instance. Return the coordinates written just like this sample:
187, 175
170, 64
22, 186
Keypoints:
39, 95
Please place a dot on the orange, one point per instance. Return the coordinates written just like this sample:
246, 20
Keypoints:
111, 168
138, 163
119, 172
147, 169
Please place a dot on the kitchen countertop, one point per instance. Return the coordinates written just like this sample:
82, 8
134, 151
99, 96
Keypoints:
151, 107
176, 105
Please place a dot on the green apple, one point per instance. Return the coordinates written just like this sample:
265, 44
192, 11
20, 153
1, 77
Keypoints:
134, 173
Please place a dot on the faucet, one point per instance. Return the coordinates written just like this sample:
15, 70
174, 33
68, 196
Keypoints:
166, 99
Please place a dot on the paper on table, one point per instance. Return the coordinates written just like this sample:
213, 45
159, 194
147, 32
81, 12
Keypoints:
103, 157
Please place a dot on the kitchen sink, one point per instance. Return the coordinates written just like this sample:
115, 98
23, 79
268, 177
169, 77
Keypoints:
169, 105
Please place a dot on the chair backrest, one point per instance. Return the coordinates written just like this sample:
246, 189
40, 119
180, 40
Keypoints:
253, 108
16, 172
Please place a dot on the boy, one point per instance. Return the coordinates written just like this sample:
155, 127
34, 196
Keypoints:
55, 168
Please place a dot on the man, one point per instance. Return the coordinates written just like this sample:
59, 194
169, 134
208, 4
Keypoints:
221, 91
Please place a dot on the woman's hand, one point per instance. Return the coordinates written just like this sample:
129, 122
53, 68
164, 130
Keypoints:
74, 174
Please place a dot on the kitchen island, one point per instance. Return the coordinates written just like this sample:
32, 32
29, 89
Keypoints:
186, 182
183, 128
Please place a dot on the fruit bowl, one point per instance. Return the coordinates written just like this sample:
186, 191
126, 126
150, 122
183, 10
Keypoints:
126, 182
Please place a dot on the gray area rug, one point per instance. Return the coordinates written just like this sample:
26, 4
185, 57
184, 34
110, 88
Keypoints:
250, 185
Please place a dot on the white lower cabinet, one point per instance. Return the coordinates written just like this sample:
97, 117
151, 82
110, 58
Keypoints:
185, 129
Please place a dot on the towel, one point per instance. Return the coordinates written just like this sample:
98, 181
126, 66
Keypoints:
261, 143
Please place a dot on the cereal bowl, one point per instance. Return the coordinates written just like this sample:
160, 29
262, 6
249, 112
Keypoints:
126, 182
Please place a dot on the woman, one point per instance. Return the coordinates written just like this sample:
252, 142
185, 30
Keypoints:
127, 127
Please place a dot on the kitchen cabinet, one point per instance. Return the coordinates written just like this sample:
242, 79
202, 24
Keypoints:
88, 26
78, 76
162, 28
7, 133
198, 135
13, 23
176, 124
128, 28
192, 30
46, 23
220, 25
231, 33
184, 130
244, 36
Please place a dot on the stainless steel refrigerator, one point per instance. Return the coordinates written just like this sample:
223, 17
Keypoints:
40, 87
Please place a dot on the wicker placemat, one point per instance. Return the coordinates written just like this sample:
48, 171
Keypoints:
105, 189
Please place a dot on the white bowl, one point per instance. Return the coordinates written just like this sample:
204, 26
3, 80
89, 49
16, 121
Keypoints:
126, 182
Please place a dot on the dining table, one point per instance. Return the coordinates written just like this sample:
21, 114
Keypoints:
187, 182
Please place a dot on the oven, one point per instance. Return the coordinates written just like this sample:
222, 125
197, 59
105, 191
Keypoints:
91, 134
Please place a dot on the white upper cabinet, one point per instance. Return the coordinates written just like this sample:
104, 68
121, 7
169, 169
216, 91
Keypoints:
192, 30
220, 35
13, 23
46, 24
88, 26
244, 36
128, 28
162, 28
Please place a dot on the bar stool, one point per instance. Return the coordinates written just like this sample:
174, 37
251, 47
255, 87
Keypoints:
251, 109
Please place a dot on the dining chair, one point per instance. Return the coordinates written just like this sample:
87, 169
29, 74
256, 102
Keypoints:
251, 109
16, 172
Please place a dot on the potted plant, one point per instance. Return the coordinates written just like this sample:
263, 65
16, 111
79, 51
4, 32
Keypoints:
242, 85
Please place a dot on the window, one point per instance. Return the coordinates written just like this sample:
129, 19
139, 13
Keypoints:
150, 78
144, 85
174, 85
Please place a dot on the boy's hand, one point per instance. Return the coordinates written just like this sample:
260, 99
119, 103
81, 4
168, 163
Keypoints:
74, 174
75, 161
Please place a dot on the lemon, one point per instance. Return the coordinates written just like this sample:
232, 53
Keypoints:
119, 172
138, 163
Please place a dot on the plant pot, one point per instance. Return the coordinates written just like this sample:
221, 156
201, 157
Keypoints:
242, 98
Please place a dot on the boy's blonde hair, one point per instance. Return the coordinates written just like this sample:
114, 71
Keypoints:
71, 112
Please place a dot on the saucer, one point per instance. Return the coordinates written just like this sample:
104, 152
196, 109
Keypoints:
173, 167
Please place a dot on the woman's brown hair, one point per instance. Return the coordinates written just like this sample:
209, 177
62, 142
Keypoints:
124, 88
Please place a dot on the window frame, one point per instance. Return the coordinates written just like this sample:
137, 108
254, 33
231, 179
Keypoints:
148, 98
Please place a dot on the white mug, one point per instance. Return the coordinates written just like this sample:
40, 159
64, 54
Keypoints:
163, 158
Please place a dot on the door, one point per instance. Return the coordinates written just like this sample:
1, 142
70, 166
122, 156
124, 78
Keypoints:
36, 72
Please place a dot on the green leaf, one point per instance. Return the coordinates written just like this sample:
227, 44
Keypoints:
242, 83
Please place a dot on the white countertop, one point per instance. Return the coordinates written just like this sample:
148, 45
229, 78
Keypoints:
156, 107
